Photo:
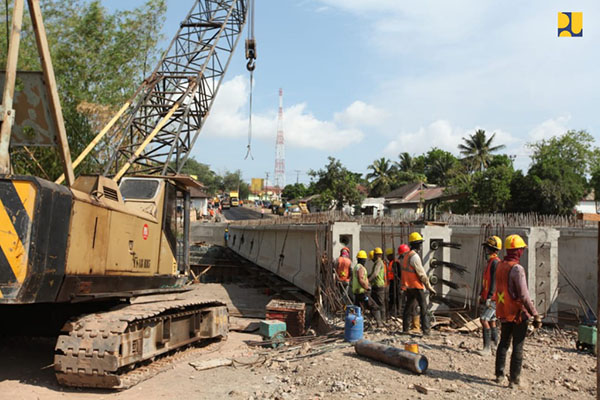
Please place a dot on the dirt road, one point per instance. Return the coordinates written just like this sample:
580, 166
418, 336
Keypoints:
552, 368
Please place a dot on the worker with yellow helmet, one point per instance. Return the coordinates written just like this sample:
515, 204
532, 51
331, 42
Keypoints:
416, 281
361, 289
514, 309
377, 281
491, 247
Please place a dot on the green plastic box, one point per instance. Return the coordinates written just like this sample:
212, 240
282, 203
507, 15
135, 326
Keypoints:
268, 329
586, 338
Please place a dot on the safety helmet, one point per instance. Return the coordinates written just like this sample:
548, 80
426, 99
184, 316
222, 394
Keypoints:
378, 250
345, 249
514, 242
362, 254
389, 251
226, 230
415, 237
403, 248
371, 254
493, 242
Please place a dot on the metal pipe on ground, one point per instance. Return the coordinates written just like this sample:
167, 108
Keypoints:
392, 356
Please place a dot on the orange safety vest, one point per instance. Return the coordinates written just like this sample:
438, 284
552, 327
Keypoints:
343, 269
487, 278
507, 308
409, 276
389, 272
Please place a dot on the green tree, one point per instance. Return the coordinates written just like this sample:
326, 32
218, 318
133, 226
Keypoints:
99, 58
492, 189
381, 177
478, 148
295, 191
440, 166
558, 171
211, 181
336, 185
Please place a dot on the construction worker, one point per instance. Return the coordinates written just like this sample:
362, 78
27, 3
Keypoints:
390, 286
400, 288
491, 246
416, 281
372, 263
361, 288
342, 266
377, 281
514, 309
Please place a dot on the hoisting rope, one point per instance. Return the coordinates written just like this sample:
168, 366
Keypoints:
251, 57
7, 26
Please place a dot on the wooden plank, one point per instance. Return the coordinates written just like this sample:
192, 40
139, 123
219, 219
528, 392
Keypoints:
589, 217
55, 108
12, 59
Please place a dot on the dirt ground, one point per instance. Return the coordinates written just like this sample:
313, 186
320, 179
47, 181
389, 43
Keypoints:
552, 369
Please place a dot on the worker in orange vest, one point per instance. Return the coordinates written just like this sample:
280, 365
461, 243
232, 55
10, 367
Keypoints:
390, 286
416, 281
514, 309
343, 265
491, 246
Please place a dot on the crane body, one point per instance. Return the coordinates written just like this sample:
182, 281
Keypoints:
106, 258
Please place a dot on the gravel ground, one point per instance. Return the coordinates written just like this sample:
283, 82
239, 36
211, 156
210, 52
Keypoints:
552, 369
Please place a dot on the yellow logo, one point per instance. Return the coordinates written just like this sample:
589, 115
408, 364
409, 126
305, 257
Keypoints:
570, 24
500, 297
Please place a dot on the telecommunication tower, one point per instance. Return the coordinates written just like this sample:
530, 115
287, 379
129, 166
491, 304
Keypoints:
280, 147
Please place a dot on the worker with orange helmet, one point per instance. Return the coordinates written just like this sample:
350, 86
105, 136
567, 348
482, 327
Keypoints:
514, 309
342, 266
491, 246
416, 281
377, 281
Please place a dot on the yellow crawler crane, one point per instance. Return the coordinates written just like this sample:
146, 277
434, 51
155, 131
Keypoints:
105, 259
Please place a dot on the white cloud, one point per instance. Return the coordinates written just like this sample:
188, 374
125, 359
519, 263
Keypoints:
551, 127
229, 118
441, 134
361, 114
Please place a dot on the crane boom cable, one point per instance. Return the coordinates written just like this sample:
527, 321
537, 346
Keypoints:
251, 57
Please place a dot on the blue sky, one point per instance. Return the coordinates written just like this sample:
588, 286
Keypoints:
368, 79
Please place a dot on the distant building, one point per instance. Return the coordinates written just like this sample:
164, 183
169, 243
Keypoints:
588, 204
412, 197
199, 201
373, 206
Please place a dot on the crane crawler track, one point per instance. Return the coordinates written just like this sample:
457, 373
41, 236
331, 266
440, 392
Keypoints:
101, 350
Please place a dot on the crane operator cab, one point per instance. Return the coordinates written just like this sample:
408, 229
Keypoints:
123, 240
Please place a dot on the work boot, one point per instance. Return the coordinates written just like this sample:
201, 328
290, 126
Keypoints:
517, 383
377, 315
495, 337
500, 379
486, 351
416, 322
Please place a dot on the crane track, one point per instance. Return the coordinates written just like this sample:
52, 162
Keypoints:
101, 350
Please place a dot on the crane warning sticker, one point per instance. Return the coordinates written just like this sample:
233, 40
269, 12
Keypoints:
145, 231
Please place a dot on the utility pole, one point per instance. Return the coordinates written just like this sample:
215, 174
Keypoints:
280, 147
266, 184
297, 171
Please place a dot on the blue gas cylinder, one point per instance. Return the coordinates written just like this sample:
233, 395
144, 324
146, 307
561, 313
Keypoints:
353, 330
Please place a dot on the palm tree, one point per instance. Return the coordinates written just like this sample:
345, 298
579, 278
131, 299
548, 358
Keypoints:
478, 149
380, 176
443, 168
407, 163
